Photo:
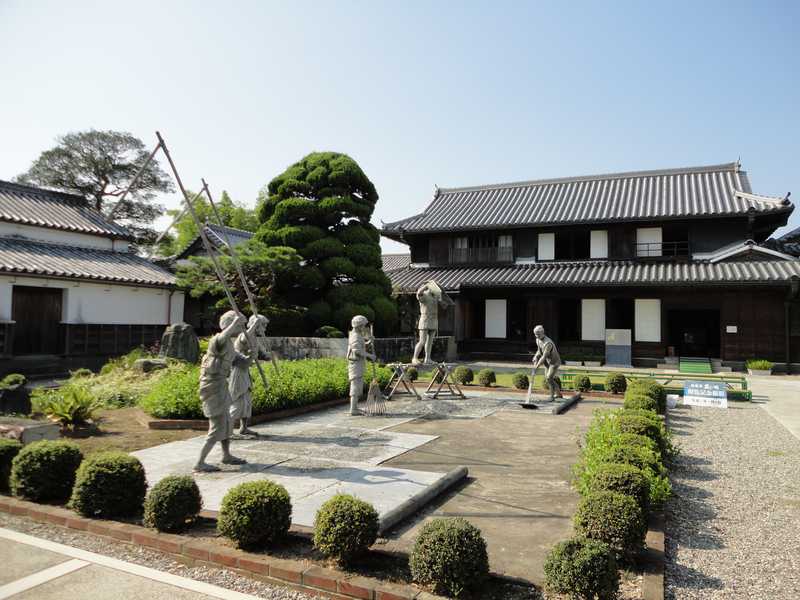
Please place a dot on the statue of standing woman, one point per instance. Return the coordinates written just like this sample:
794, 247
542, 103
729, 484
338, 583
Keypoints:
429, 296
240, 384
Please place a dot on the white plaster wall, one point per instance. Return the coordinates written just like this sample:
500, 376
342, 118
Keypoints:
650, 235
547, 246
647, 320
102, 303
70, 238
593, 319
495, 322
598, 244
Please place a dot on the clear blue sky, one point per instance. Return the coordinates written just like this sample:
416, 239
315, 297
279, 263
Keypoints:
418, 93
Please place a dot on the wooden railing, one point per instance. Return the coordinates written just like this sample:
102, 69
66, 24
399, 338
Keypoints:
662, 249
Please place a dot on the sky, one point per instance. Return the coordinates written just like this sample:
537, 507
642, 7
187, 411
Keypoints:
418, 93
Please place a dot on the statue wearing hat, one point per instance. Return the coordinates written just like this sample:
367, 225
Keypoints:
429, 296
215, 369
357, 355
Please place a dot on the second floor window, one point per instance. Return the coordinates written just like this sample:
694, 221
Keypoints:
483, 248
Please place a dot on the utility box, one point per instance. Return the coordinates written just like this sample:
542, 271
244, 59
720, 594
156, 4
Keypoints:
618, 347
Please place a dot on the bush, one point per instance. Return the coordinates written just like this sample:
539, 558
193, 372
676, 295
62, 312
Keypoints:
173, 503
450, 555
520, 381
760, 364
80, 373
582, 568
623, 478
486, 377
614, 519
650, 388
109, 485
255, 512
45, 471
615, 383
176, 395
345, 527
8, 450
463, 375
70, 406
647, 423
412, 373
640, 402
12, 380
328, 331
583, 383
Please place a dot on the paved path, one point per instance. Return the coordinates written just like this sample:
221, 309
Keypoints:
37, 569
779, 395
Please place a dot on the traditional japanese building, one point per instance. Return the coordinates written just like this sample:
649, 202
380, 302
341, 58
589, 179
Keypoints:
677, 257
72, 293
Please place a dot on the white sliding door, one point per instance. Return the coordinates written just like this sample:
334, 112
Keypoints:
647, 320
547, 246
495, 326
593, 319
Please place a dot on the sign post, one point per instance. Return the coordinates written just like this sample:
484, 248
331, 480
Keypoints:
705, 393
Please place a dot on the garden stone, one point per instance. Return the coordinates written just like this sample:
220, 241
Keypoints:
180, 341
28, 430
147, 365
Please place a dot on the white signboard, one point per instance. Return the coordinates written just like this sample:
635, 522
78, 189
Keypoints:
705, 393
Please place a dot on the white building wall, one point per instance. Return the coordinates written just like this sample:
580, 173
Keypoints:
69, 238
98, 303
647, 320
495, 321
651, 235
547, 246
593, 319
598, 244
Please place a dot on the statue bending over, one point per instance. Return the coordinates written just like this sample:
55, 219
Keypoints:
547, 356
357, 356
215, 369
240, 384
429, 296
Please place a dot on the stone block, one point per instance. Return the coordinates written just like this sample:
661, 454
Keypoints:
28, 430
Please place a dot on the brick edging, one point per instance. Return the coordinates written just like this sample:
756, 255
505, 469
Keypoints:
654, 558
298, 574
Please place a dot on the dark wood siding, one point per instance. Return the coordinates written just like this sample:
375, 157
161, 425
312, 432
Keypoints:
37, 315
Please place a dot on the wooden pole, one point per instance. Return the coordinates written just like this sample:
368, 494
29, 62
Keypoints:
135, 179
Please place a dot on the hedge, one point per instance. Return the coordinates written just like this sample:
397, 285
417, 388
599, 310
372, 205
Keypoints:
345, 527
44, 471
8, 450
173, 503
109, 485
582, 568
297, 383
614, 519
255, 512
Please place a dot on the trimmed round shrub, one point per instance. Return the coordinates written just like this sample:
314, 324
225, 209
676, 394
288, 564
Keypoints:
640, 424
81, 373
173, 503
463, 375
109, 485
45, 471
582, 568
640, 402
486, 377
412, 373
12, 379
255, 512
616, 383
520, 381
345, 527
614, 519
623, 478
8, 450
583, 383
637, 441
651, 388
450, 555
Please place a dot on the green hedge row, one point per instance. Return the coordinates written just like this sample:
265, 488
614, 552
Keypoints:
297, 383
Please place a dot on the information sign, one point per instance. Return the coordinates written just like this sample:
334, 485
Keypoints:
705, 393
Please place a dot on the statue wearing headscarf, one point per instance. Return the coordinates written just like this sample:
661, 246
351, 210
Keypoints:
240, 383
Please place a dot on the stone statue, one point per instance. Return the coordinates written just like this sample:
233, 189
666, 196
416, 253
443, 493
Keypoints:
215, 369
357, 356
179, 341
429, 296
547, 356
240, 384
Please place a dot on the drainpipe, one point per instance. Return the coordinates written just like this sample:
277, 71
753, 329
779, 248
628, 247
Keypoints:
169, 308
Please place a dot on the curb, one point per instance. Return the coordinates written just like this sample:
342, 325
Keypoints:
297, 574
654, 557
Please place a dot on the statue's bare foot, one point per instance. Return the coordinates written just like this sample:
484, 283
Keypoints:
356, 412
233, 460
247, 431
203, 467
416, 361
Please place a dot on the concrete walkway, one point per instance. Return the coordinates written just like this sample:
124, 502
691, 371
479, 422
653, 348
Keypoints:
779, 395
37, 569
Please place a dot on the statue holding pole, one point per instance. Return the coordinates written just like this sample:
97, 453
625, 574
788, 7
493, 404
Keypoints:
429, 296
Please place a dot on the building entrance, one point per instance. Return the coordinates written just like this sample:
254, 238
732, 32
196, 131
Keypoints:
36, 312
694, 332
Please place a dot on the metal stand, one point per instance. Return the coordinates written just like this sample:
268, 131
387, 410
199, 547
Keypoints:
400, 377
443, 372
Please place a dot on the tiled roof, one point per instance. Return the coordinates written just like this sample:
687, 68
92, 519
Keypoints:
599, 273
393, 262
56, 260
29, 205
216, 235
791, 236
640, 195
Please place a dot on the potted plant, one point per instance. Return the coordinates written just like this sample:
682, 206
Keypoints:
759, 367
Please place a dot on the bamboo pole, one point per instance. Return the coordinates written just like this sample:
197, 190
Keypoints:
135, 179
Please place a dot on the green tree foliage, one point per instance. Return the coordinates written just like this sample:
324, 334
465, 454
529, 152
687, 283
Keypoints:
271, 272
321, 206
231, 213
100, 165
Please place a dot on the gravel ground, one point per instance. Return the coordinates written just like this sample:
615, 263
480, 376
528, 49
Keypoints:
733, 525
149, 558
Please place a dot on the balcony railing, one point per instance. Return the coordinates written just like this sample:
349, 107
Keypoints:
481, 255
662, 249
